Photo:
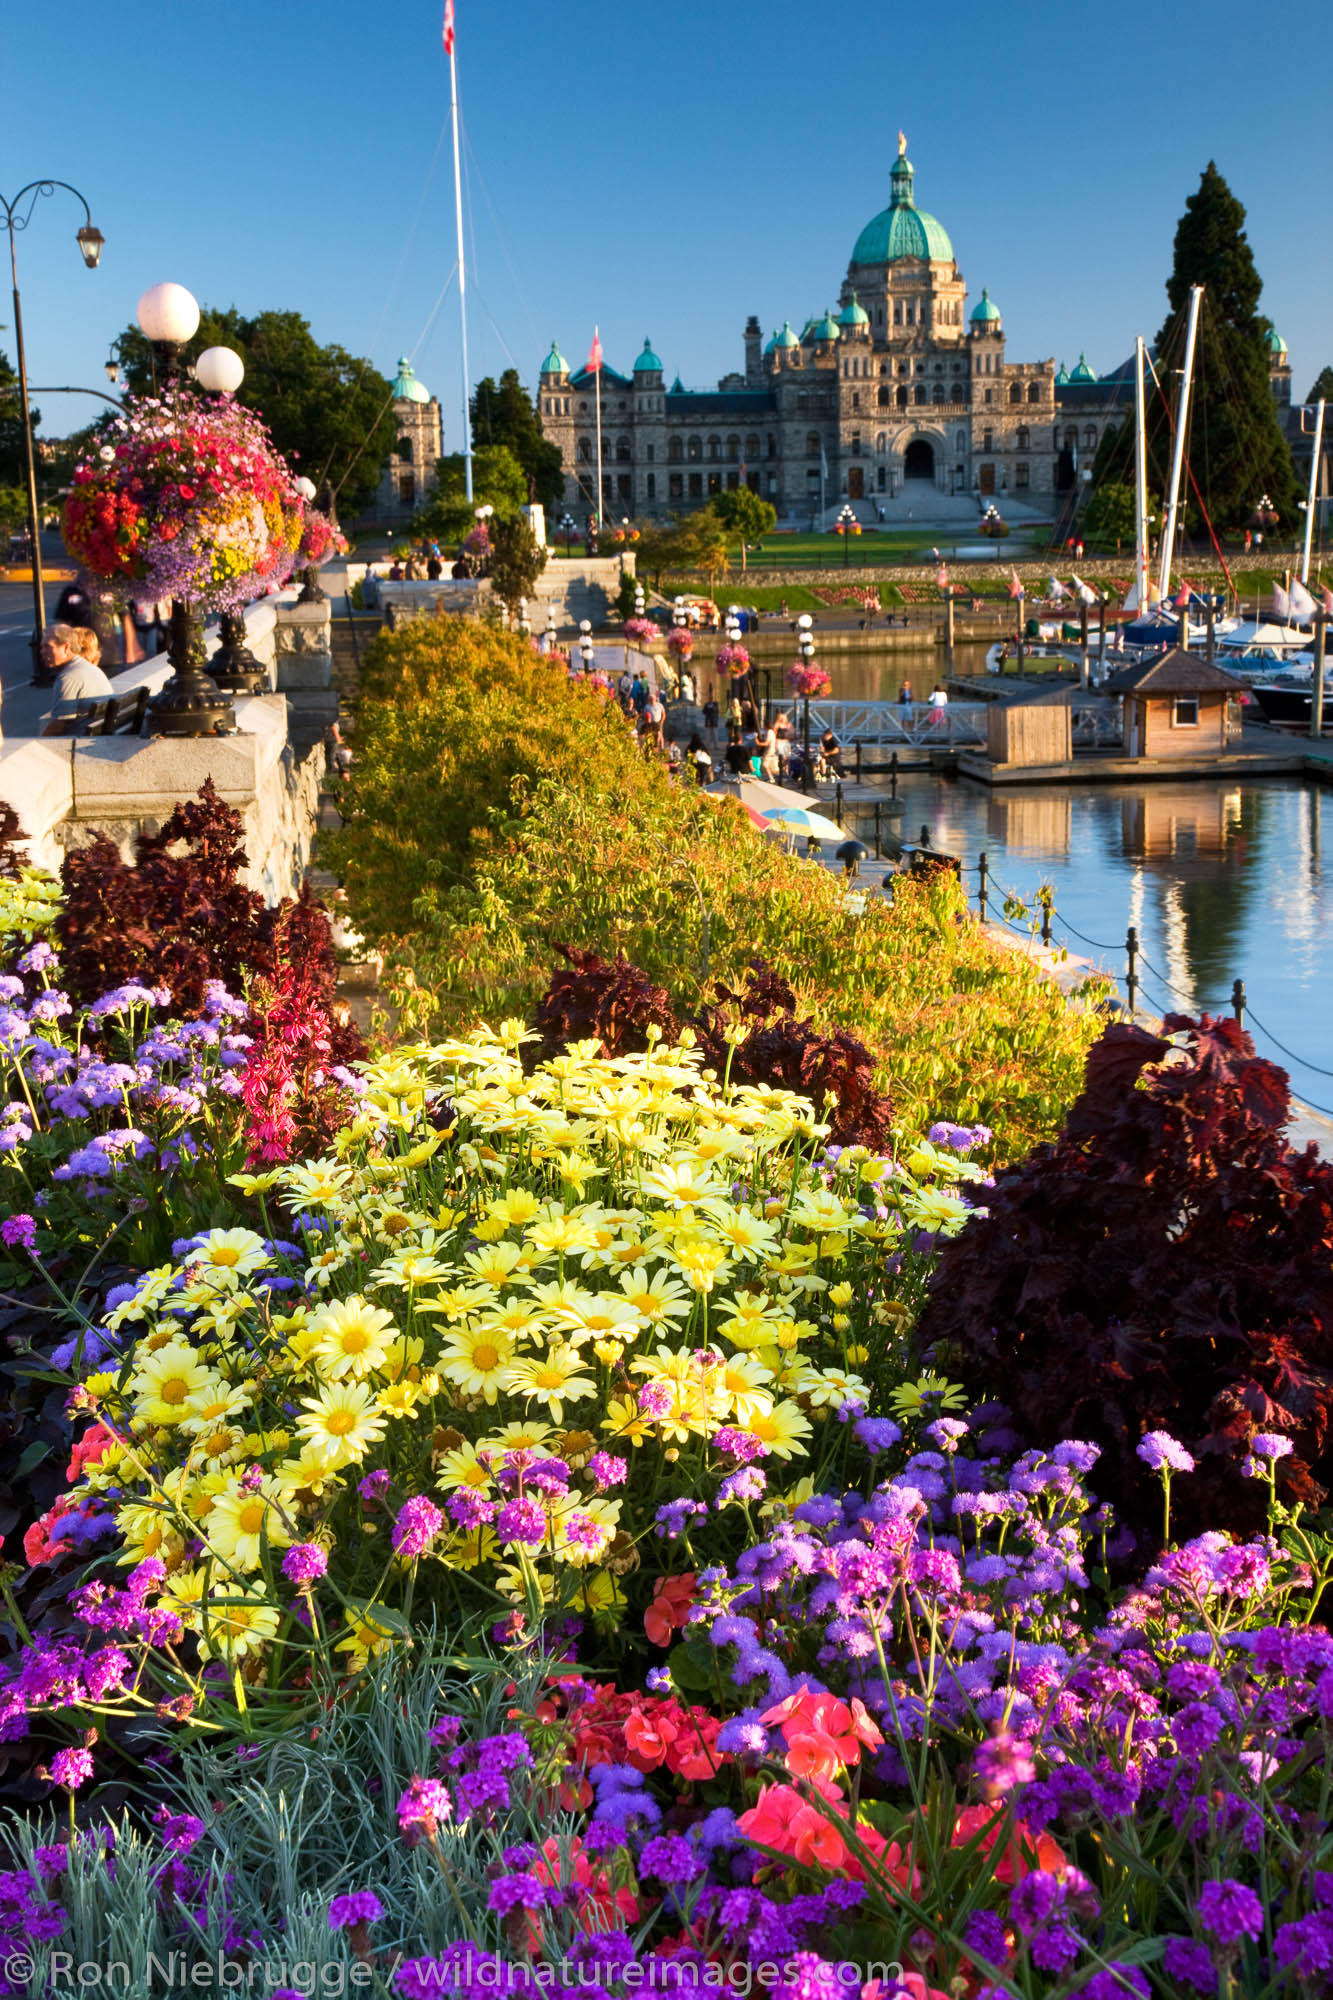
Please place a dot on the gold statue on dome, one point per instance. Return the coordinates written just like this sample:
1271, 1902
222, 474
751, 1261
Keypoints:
902, 145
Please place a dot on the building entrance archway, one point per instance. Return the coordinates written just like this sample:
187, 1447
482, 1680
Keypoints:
919, 460
856, 485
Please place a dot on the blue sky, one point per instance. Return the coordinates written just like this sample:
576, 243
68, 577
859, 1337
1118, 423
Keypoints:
663, 170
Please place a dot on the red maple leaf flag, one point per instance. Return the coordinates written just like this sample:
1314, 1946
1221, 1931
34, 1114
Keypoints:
942, 577
1015, 586
448, 27
1181, 600
595, 352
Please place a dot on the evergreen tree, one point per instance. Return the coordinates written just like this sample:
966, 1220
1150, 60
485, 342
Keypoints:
1236, 447
503, 413
1322, 389
13, 459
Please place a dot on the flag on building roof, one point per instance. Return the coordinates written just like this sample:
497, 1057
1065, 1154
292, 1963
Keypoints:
595, 352
1015, 586
448, 27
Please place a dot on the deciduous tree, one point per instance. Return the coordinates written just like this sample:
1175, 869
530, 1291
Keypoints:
745, 517
503, 413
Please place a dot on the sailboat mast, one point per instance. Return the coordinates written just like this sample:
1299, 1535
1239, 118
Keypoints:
1140, 486
1314, 488
1178, 454
462, 271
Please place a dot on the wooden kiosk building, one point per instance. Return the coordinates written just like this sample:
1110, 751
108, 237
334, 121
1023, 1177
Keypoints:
1175, 706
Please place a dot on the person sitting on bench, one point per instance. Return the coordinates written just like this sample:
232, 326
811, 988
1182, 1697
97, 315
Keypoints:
66, 652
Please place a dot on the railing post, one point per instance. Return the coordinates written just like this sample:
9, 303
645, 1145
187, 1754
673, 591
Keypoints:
893, 775
1131, 966
983, 867
879, 850
1046, 921
1238, 1002
837, 800
858, 760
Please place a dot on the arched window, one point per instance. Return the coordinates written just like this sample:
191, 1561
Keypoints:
733, 450
1071, 439
812, 444
675, 451
694, 451
911, 314
623, 453
898, 313
585, 450
881, 442
1034, 392
1021, 437
1016, 392
939, 392
751, 447
403, 450
939, 367
715, 447
856, 399
884, 399
1090, 438
988, 440
920, 392
902, 398
652, 486
583, 409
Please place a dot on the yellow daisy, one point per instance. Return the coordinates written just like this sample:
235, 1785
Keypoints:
552, 1378
354, 1337
341, 1421
164, 1382
475, 1358
234, 1623
240, 1518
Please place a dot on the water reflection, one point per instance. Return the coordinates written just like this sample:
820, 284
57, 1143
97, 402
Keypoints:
1222, 881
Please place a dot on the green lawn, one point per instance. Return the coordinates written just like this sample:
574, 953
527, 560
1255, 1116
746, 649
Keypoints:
870, 550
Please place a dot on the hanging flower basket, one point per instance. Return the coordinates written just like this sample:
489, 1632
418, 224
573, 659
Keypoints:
641, 631
733, 660
809, 682
186, 498
681, 641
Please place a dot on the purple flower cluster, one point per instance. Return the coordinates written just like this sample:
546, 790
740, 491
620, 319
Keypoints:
419, 1522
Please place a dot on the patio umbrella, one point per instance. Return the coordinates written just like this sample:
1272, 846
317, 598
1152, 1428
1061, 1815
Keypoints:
757, 817
799, 819
851, 850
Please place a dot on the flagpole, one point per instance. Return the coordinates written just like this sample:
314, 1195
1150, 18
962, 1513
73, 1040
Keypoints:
597, 509
1313, 499
462, 273
1140, 487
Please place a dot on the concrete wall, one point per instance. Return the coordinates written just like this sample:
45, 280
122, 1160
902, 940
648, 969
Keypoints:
66, 789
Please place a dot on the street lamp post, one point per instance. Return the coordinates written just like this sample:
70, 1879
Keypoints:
567, 527
552, 630
586, 653
639, 600
805, 646
220, 371
846, 521
90, 243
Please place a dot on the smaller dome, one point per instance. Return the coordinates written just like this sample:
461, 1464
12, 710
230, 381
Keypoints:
1276, 344
985, 310
1082, 372
406, 388
824, 329
1062, 376
785, 339
555, 362
647, 363
854, 314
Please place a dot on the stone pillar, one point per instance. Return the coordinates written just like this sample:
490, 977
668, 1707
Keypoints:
535, 516
303, 659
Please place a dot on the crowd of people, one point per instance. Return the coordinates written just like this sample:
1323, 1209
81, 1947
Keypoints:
738, 738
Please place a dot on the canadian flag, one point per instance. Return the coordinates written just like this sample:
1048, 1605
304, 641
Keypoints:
448, 27
1181, 600
595, 352
1015, 586
942, 577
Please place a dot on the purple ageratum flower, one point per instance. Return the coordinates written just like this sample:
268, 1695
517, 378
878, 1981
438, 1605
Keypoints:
305, 1563
1163, 1453
673, 1519
1003, 1762
1190, 1964
946, 1431
748, 1483
71, 1768
19, 1232
374, 1486
1078, 1456
363, 1906
668, 1857
1271, 1445
419, 1522
608, 1469
878, 1434
37, 958
424, 1806
522, 1520
1229, 1911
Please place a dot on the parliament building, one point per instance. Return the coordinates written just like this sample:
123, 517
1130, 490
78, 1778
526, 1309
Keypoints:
902, 394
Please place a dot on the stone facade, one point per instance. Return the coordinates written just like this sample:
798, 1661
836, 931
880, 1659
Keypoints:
410, 474
899, 394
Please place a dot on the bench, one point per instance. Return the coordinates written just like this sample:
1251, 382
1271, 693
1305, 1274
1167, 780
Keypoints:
123, 715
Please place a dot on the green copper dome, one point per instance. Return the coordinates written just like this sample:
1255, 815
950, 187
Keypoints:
648, 362
823, 329
854, 314
985, 310
1276, 344
1062, 376
555, 362
1082, 373
406, 388
784, 339
903, 230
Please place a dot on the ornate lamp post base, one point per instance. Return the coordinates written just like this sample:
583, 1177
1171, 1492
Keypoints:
234, 668
191, 703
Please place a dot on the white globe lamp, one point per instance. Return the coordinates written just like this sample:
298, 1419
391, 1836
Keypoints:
220, 370
168, 314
